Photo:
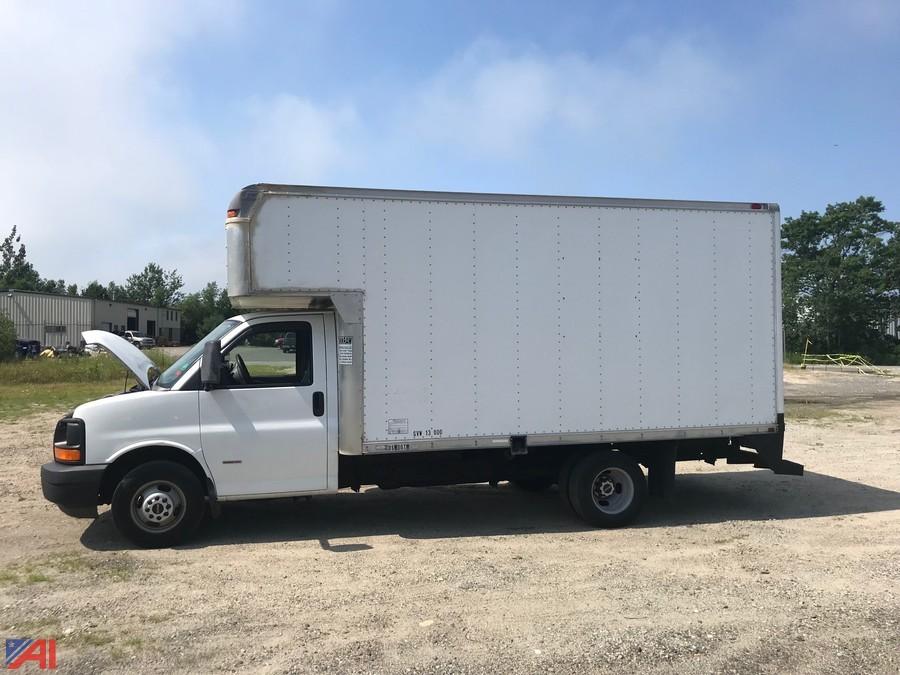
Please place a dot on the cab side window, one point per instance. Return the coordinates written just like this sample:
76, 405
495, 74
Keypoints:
273, 355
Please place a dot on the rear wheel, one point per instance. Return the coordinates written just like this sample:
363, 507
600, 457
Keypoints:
607, 489
158, 504
565, 476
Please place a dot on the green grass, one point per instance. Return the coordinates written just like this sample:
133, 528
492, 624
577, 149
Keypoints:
808, 411
822, 412
117, 646
100, 368
36, 578
48, 624
56, 385
51, 371
19, 400
264, 370
61, 566
97, 638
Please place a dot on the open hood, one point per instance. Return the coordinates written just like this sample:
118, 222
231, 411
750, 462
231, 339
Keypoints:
130, 356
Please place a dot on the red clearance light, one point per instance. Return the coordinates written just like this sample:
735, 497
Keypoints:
757, 207
232, 213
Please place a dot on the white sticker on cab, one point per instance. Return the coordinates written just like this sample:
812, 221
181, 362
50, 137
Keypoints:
345, 350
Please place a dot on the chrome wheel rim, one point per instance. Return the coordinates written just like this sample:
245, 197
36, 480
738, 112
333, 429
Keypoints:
158, 506
612, 490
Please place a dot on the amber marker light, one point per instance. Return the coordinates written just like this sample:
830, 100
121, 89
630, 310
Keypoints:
66, 455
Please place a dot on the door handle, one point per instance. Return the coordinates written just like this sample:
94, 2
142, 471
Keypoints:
318, 404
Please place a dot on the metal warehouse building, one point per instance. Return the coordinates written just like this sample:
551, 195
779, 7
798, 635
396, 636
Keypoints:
56, 319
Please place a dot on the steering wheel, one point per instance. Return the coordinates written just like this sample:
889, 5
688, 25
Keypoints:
242, 372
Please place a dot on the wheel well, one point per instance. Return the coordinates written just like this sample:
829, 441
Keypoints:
122, 465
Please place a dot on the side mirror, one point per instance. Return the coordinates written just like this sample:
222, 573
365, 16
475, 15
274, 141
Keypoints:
212, 365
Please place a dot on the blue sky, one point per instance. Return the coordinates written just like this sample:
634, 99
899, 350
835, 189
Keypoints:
128, 126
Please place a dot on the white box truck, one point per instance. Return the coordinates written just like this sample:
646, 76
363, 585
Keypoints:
400, 338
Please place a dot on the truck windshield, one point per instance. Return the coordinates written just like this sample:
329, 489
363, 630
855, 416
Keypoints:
171, 374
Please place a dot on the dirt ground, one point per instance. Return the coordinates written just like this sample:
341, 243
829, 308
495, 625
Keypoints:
739, 571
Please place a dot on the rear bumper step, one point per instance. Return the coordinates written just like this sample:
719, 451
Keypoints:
780, 466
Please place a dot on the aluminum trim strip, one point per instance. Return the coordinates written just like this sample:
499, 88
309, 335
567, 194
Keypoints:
265, 189
472, 442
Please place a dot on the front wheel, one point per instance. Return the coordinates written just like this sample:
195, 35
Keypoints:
607, 489
158, 504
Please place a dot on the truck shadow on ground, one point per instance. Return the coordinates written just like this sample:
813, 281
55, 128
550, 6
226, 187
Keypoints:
481, 510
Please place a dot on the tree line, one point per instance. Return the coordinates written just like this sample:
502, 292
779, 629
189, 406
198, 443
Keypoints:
841, 281
200, 311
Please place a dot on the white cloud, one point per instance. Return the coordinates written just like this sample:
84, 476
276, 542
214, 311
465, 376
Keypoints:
97, 163
836, 24
102, 165
486, 101
492, 101
293, 140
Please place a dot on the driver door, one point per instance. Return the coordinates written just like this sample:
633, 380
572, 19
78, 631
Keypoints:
264, 430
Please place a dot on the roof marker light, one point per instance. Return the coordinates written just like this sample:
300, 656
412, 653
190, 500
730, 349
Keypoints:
232, 213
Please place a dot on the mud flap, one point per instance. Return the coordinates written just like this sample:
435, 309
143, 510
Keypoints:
780, 466
79, 511
769, 452
661, 471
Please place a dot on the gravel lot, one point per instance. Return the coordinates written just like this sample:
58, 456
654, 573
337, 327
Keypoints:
740, 571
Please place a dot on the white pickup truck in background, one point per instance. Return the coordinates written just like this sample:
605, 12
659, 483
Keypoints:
139, 340
400, 338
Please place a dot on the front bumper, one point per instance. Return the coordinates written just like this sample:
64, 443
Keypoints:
74, 488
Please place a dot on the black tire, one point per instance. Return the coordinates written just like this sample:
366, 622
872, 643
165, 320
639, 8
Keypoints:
565, 476
169, 496
536, 484
607, 489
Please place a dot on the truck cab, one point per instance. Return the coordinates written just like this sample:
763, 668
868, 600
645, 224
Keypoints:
265, 428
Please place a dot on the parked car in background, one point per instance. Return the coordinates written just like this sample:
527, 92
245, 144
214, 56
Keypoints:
289, 344
139, 340
27, 349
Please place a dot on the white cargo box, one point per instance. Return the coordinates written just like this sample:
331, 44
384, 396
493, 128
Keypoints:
466, 319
